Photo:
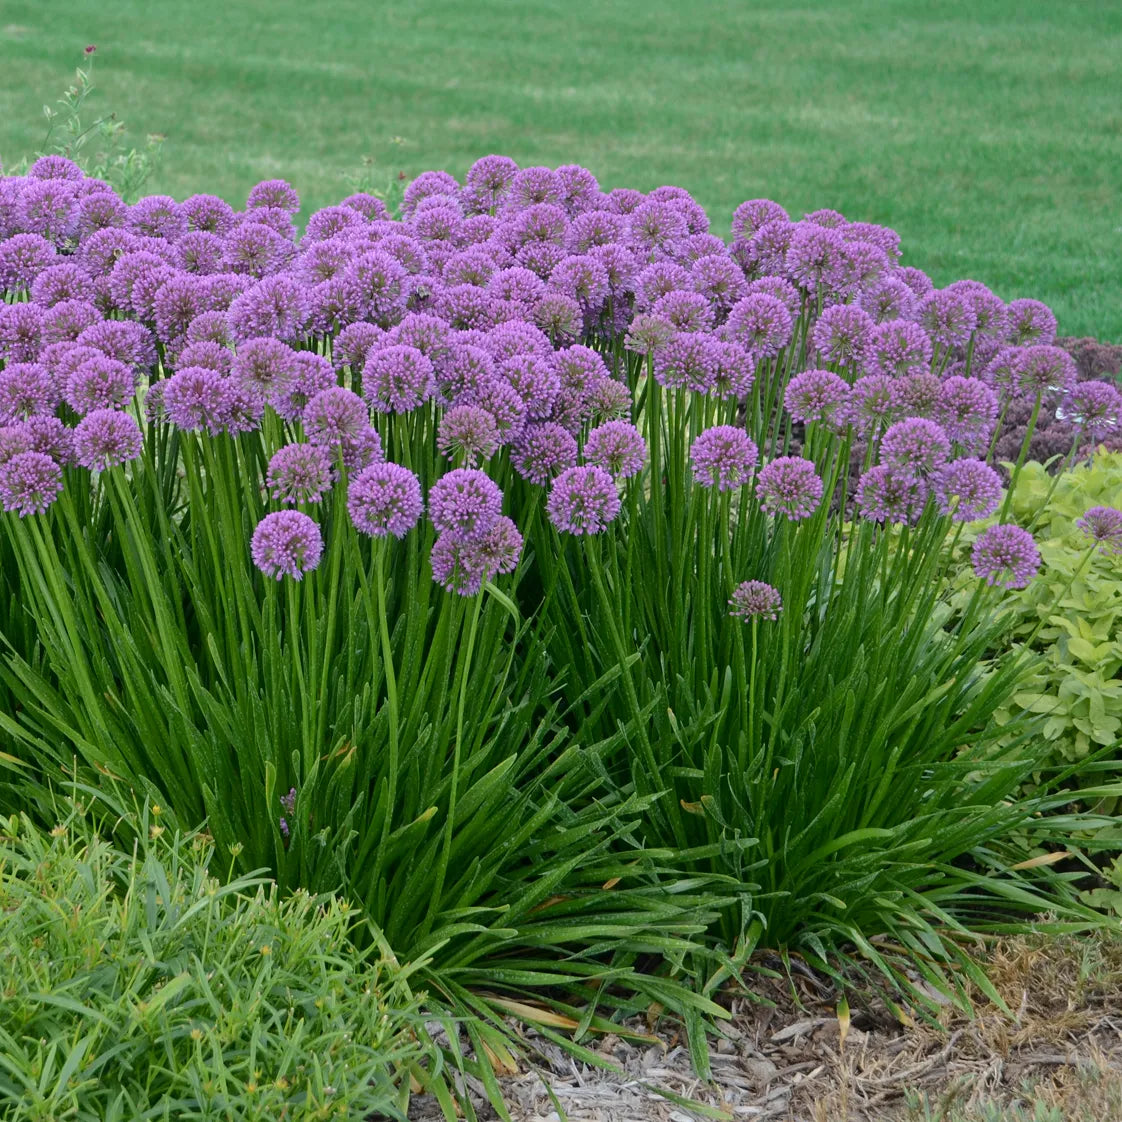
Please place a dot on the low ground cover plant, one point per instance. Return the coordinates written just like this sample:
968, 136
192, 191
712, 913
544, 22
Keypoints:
137, 984
464, 561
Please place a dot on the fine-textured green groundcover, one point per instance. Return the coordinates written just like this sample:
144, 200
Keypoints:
988, 135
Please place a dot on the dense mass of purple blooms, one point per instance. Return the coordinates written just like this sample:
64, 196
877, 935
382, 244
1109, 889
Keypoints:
495, 316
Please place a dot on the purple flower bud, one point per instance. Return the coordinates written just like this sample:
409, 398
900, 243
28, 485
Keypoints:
29, 483
465, 503
299, 473
618, 447
1006, 556
286, 543
723, 457
1103, 525
385, 499
789, 486
467, 434
967, 490
755, 599
583, 500
106, 438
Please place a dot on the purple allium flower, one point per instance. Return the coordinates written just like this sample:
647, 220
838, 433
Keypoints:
842, 333
720, 281
607, 400
127, 272
26, 389
783, 291
29, 483
61, 282
158, 216
595, 228
687, 311
582, 278
55, 167
463, 371
967, 490
723, 457
754, 213
623, 200
579, 189
1005, 555
222, 289
884, 238
1095, 408
516, 285
463, 566
967, 411
66, 320
948, 316
428, 334
542, 222
755, 599
583, 500
38, 434
332, 304
861, 268
265, 366
286, 543
349, 349
914, 446
657, 280
559, 316
618, 447
195, 399
535, 380
542, 451
1031, 322
897, 348
1043, 369
690, 360
311, 374
760, 323
540, 257
517, 338
21, 330
379, 280
335, 416
789, 486
276, 306
813, 257
100, 383
466, 307
211, 355
299, 473
648, 334
890, 299
369, 206
990, 311
916, 279
697, 221
826, 218
464, 503
210, 327
397, 379
467, 434
1103, 525
473, 265
487, 182
49, 207
106, 438
885, 495
199, 253
258, 251
1001, 371
427, 185
530, 187
817, 396
918, 395
331, 221
273, 193
128, 342
503, 402
385, 499
656, 225
22, 258
176, 303
208, 213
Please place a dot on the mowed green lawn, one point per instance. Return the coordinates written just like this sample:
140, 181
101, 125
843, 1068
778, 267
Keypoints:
989, 134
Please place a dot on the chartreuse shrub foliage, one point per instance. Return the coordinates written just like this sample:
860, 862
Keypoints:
568, 588
137, 983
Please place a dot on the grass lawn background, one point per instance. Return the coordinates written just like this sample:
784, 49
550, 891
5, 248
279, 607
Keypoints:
989, 135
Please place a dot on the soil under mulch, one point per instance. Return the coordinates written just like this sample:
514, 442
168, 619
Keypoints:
785, 1058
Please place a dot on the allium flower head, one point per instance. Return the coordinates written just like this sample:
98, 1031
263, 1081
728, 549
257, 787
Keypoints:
369, 206
1043, 369
751, 215
158, 216
212, 355
657, 280
783, 290
1095, 408
128, 342
503, 402
595, 228
723, 457
22, 258
61, 282
583, 500
100, 383
687, 311
817, 396
990, 312
463, 566
199, 253
736, 370
299, 473
542, 451
266, 366
648, 334
967, 411
487, 182
813, 257
334, 416
26, 389
618, 447
467, 434
535, 380
885, 495
106, 438
210, 327
755, 599
842, 333
195, 399
948, 316
761, 323
862, 266
275, 306
967, 490
897, 348
49, 207
1005, 555
789, 486
208, 213
66, 320
286, 543
55, 167
890, 299
273, 193
21, 332
465, 503
689, 360
29, 483
385, 499
560, 317
397, 379
1031, 323
38, 434
257, 250
607, 400
914, 446
1103, 525
583, 279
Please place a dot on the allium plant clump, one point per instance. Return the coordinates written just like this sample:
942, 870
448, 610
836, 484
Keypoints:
531, 544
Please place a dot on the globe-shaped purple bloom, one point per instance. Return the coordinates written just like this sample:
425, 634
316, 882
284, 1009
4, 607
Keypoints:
106, 438
583, 500
1043, 369
914, 446
755, 599
1005, 555
464, 503
397, 379
886, 495
967, 490
61, 282
26, 389
334, 416
38, 434
761, 323
890, 299
690, 360
100, 383
463, 566
723, 457
536, 381
1103, 525
22, 258
21, 329
813, 257
467, 434
196, 398
967, 411
817, 396
542, 451
948, 316
29, 483
789, 486
842, 334
897, 348
1095, 408
286, 543
273, 193
1030, 323
299, 473
749, 216
687, 311
385, 499
618, 447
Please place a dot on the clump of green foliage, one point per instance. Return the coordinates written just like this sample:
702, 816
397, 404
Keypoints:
136, 985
